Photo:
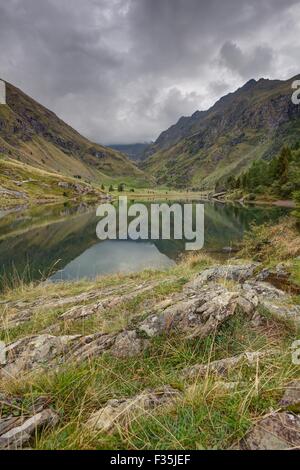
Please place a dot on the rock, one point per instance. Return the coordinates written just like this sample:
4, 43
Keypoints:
43, 351
223, 366
200, 312
281, 310
128, 344
14, 405
264, 289
248, 302
195, 312
21, 431
26, 310
89, 347
123, 411
234, 272
6, 424
279, 431
34, 351
63, 184
291, 397
228, 386
84, 311
7, 193
280, 272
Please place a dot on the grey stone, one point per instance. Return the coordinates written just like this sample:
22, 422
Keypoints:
234, 272
16, 437
128, 344
34, 351
291, 397
282, 310
200, 312
279, 431
264, 289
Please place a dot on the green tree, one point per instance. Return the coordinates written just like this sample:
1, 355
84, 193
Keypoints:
283, 165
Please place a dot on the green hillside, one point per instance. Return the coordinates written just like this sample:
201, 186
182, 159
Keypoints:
31, 134
253, 122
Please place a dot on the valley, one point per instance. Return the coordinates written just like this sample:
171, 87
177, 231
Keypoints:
133, 344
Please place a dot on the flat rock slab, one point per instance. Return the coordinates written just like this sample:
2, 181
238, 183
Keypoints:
279, 431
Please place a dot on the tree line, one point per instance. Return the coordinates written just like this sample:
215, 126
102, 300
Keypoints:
278, 177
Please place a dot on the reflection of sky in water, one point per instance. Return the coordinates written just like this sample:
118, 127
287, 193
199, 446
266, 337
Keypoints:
114, 257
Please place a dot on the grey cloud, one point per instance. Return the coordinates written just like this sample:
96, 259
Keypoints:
124, 70
257, 62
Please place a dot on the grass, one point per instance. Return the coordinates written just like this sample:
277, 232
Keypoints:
36, 185
273, 243
207, 416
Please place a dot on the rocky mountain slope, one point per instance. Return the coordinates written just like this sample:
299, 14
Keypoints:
32, 134
251, 123
135, 152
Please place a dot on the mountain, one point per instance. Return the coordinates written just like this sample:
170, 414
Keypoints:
135, 152
251, 123
31, 134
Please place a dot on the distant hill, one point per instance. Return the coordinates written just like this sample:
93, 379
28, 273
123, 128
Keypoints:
135, 152
31, 134
251, 123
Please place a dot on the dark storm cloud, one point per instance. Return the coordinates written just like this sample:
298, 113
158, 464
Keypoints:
123, 70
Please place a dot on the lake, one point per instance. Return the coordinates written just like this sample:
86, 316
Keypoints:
60, 242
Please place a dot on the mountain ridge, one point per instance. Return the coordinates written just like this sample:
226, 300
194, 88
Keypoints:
252, 122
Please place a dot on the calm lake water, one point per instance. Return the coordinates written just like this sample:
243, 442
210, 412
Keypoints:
60, 242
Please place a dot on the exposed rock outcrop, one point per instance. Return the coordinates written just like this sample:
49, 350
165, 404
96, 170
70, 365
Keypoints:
200, 312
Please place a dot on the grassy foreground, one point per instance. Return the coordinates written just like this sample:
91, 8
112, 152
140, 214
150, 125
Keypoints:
208, 415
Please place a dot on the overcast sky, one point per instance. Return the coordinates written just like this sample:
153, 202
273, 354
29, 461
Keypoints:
122, 71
